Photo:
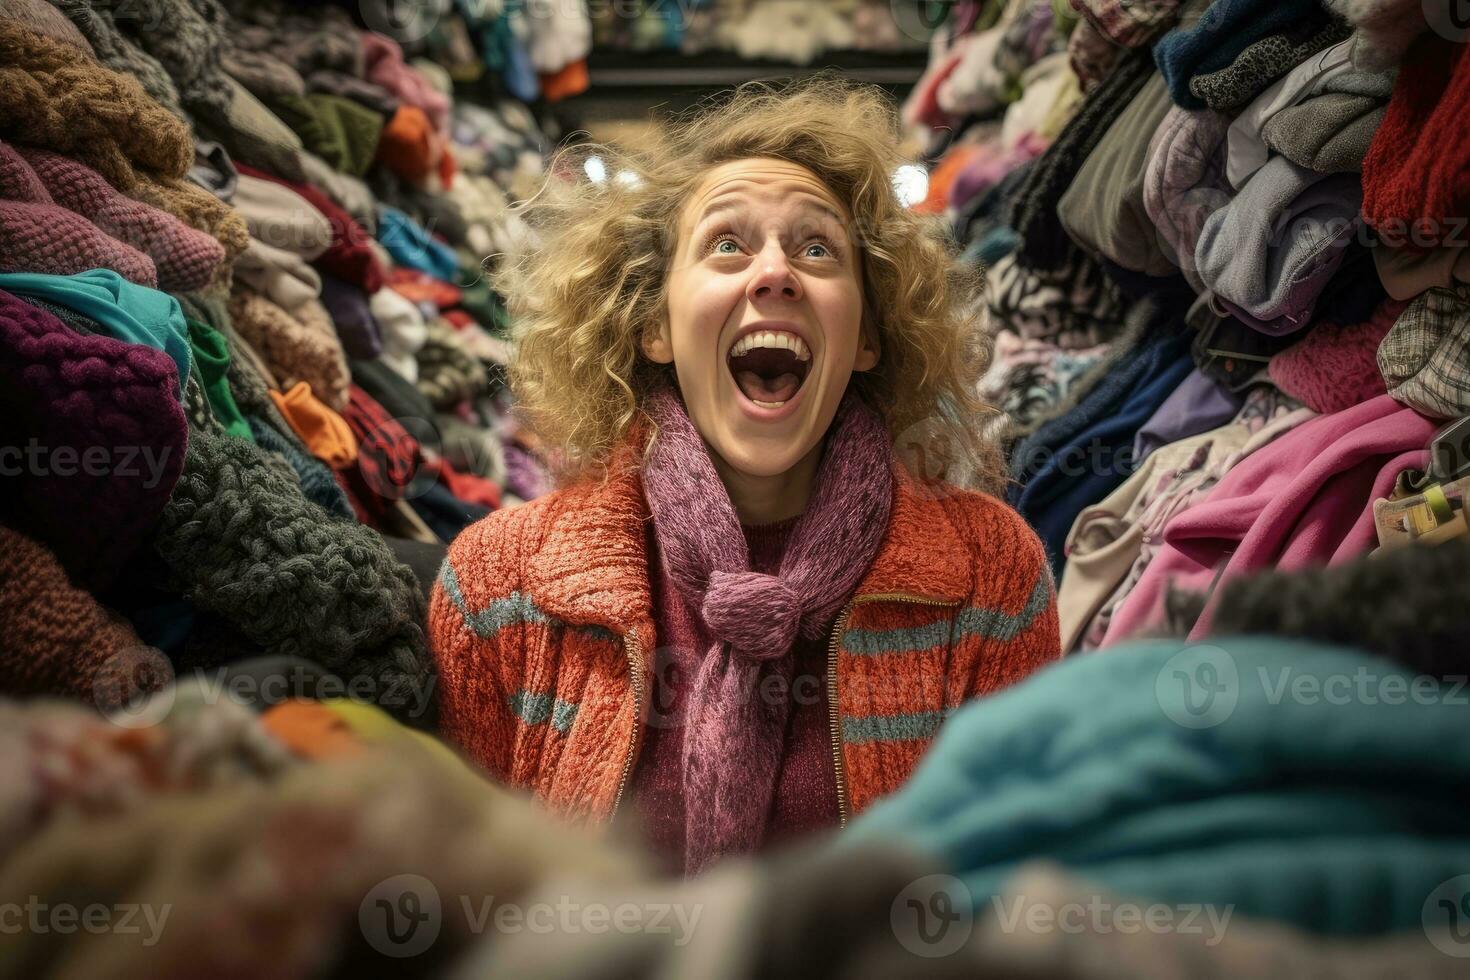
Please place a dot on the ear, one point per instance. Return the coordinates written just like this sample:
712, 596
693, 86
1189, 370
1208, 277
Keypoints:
656, 345
869, 349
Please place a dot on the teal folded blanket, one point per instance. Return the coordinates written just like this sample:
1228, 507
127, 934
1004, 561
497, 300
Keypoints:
1316, 786
127, 311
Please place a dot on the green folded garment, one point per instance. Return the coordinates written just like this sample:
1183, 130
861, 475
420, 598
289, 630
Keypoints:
484, 305
212, 361
342, 132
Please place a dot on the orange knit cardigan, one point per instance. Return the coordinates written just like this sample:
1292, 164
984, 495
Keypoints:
542, 625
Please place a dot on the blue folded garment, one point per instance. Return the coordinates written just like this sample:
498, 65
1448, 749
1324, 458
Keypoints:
1079, 458
412, 246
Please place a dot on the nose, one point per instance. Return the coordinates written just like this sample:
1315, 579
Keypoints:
773, 276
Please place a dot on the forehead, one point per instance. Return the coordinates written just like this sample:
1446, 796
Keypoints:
761, 180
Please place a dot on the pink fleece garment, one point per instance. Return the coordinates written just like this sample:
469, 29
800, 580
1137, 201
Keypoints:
383, 65
1305, 499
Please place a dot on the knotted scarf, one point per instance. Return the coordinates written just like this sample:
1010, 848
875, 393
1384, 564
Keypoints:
733, 737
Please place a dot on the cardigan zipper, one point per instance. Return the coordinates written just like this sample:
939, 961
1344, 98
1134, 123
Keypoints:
833, 714
635, 663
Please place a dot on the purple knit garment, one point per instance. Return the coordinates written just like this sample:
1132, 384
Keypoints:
357, 329
108, 433
732, 748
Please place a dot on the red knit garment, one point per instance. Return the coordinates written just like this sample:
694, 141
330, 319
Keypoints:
1335, 367
806, 788
1417, 170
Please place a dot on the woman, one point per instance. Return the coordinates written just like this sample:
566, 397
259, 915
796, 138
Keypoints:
742, 617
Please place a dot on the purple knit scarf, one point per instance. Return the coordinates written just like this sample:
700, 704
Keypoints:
733, 739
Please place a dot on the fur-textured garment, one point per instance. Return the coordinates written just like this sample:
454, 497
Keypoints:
732, 746
1361, 604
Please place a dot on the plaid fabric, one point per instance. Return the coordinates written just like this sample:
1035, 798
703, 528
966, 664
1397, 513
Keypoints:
1130, 23
1426, 356
389, 458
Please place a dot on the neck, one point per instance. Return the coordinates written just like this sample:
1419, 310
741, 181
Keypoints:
768, 499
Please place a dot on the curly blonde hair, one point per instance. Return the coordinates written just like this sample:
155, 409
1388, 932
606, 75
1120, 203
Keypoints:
592, 287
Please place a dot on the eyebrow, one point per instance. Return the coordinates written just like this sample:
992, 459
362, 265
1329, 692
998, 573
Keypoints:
722, 206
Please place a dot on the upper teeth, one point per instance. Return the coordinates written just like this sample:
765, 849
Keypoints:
772, 338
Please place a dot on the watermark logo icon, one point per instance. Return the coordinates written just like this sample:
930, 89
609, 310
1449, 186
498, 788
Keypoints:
933, 916
134, 687
405, 21
401, 916
919, 19
1446, 917
396, 466
1450, 19
1198, 687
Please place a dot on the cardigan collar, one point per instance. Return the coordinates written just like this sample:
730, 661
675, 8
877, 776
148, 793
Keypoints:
592, 565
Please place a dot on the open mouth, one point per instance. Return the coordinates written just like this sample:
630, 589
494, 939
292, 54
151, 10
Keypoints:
769, 367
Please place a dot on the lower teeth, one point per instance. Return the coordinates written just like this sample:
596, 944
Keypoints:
766, 404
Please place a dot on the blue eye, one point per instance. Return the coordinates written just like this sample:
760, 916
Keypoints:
825, 250
720, 247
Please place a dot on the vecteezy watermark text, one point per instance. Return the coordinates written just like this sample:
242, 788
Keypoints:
402, 916
1098, 915
63, 918
1201, 686
37, 460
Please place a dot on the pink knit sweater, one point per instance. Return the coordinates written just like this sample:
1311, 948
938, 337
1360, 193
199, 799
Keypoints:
806, 788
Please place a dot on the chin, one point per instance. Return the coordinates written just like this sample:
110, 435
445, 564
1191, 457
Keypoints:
766, 457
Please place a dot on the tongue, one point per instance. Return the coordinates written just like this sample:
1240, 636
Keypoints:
760, 389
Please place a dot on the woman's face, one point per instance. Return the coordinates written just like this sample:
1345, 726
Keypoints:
764, 318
